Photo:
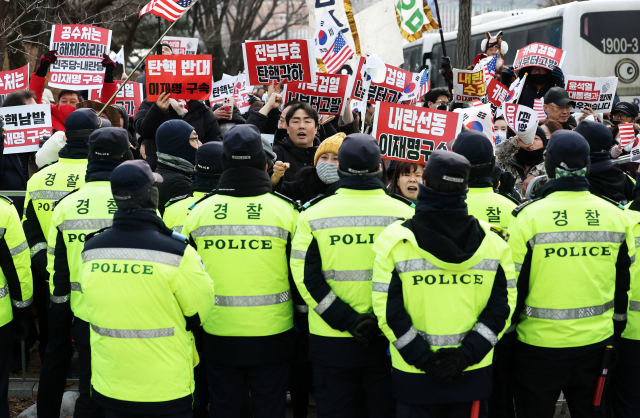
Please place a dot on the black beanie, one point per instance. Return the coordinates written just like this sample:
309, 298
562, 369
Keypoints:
242, 147
208, 158
477, 148
597, 135
172, 138
81, 123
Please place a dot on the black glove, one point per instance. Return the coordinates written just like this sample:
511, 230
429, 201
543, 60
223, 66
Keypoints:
431, 366
363, 327
45, 61
446, 70
558, 76
20, 327
454, 363
110, 66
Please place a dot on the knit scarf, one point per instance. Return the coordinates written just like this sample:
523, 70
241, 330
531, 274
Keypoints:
178, 163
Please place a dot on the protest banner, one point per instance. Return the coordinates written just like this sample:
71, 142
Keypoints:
241, 93
478, 118
522, 119
13, 80
327, 94
627, 133
79, 50
411, 133
185, 77
130, 96
497, 92
635, 150
468, 85
25, 126
221, 89
594, 92
291, 61
182, 46
539, 55
391, 90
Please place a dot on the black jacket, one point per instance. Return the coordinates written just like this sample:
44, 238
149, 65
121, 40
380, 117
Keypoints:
149, 117
297, 157
530, 92
608, 180
266, 124
307, 187
14, 175
176, 183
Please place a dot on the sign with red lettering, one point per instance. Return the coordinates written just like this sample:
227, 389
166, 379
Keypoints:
327, 94
397, 82
79, 49
13, 80
468, 85
130, 96
594, 92
186, 77
25, 126
411, 133
497, 92
539, 55
291, 61
181, 46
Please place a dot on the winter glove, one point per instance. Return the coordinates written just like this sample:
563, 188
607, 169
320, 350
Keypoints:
45, 61
20, 327
446, 70
454, 363
363, 327
110, 66
557, 76
616, 152
506, 76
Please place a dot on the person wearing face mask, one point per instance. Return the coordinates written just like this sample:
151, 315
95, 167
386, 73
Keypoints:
315, 180
147, 293
437, 98
524, 160
501, 129
539, 81
405, 179
75, 216
177, 144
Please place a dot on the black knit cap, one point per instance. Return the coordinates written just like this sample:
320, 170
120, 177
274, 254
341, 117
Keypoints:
567, 150
478, 150
108, 142
208, 158
359, 154
242, 146
132, 178
597, 135
448, 166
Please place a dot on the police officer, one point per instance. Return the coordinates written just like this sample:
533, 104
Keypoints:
205, 179
52, 182
332, 265
482, 201
573, 252
16, 291
242, 231
75, 216
144, 289
443, 291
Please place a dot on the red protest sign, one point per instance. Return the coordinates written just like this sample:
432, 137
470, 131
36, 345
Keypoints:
25, 126
397, 82
186, 77
468, 85
280, 61
13, 80
79, 49
497, 92
130, 96
539, 55
327, 94
411, 133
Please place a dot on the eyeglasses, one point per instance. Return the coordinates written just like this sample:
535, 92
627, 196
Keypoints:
193, 138
442, 102
619, 116
565, 107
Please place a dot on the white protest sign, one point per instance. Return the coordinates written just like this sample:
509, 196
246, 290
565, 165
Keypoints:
25, 126
635, 151
479, 119
221, 89
522, 119
182, 46
594, 92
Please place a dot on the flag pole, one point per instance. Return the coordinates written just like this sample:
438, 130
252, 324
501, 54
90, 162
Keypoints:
444, 48
141, 61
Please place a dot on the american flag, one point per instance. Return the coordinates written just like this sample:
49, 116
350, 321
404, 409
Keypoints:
168, 9
337, 55
490, 68
538, 106
424, 83
626, 134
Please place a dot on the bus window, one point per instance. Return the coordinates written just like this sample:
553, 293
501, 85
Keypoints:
537, 34
516, 40
612, 32
554, 35
412, 58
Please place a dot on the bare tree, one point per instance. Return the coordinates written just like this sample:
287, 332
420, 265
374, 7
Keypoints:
464, 35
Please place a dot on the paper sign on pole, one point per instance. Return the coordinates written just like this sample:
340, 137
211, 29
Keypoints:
522, 119
79, 50
13, 80
327, 95
478, 118
182, 46
221, 89
497, 92
594, 92
25, 126
468, 85
539, 55
291, 61
130, 96
411, 133
185, 77
390, 90
241, 93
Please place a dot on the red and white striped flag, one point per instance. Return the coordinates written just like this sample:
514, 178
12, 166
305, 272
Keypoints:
538, 107
337, 55
477, 102
626, 134
171, 10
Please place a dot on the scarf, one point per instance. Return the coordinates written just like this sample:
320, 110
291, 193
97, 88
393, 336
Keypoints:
75, 150
565, 184
430, 200
178, 163
244, 182
361, 182
530, 158
100, 170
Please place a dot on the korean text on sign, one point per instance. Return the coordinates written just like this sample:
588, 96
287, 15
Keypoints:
130, 96
25, 126
79, 49
291, 61
469, 85
596, 93
326, 95
221, 89
497, 92
186, 77
410, 133
539, 55
13, 80
390, 90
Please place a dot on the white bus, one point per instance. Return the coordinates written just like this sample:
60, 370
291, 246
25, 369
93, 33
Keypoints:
601, 37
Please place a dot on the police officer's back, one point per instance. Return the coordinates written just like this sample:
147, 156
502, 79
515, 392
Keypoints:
443, 291
205, 180
242, 232
482, 201
145, 289
573, 251
332, 265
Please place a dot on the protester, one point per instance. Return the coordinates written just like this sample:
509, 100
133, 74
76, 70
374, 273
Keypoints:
491, 46
439, 96
177, 143
166, 50
539, 81
550, 126
501, 129
623, 112
267, 117
405, 180
524, 161
557, 106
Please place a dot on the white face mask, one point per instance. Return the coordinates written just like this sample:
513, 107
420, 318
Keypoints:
501, 136
327, 171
